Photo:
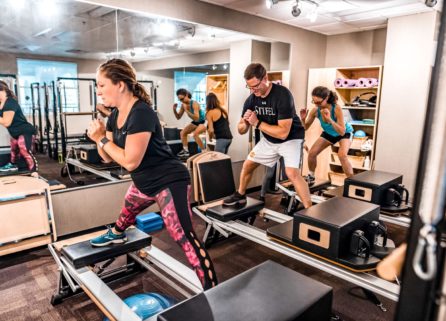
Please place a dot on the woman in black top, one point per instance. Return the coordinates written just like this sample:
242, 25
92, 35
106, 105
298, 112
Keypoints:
22, 133
218, 124
133, 138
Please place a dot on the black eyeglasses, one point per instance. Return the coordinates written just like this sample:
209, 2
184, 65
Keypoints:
256, 87
317, 102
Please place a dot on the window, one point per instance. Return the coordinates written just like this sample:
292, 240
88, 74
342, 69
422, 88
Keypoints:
195, 82
43, 71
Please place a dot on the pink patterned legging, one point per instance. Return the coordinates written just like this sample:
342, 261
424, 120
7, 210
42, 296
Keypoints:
175, 210
22, 146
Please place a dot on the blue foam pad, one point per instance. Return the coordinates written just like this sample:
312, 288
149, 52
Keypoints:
147, 218
150, 228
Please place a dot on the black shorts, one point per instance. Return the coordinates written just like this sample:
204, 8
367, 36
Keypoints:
196, 123
335, 139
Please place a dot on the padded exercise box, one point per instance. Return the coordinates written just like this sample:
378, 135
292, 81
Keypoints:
84, 254
370, 186
89, 154
268, 291
325, 229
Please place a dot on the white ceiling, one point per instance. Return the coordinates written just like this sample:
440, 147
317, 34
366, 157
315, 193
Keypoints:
334, 16
69, 28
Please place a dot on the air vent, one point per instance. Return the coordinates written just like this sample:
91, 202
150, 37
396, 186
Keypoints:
76, 51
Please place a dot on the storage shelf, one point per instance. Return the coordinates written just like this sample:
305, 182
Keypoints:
361, 124
359, 108
355, 88
354, 167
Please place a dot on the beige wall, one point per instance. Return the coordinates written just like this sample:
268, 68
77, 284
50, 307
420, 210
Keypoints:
408, 61
356, 49
280, 56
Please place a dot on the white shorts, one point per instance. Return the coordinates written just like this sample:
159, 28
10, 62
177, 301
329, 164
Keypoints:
267, 153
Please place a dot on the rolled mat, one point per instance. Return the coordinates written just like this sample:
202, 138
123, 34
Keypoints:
363, 82
373, 82
338, 82
349, 83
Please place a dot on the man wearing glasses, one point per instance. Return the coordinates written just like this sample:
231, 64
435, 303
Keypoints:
270, 108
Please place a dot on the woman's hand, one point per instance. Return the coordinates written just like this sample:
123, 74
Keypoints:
303, 113
326, 115
96, 130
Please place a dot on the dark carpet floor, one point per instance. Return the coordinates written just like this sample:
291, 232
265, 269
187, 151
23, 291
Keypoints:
28, 279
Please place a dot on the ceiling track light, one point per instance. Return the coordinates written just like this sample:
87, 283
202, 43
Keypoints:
431, 3
296, 10
270, 3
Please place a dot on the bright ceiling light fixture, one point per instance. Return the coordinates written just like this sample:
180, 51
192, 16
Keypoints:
167, 29
270, 3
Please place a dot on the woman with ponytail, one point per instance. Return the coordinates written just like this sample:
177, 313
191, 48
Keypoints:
133, 138
335, 129
22, 133
218, 124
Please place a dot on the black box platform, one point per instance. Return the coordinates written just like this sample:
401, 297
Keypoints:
83, 253
269, 292
228, 213
325, 230
89, 154
370, 186
284, 234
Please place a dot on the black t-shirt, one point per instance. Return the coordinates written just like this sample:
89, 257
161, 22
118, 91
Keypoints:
159, 168
19, 125
278, 105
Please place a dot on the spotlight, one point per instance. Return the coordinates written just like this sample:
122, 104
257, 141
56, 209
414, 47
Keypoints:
225, 66
431, 3
296, 11
132, 53
214, 67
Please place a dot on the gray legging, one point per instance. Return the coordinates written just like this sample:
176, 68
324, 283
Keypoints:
222, 145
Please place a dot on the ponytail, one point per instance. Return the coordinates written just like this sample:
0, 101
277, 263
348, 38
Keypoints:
9, 92
332, 97
141, 92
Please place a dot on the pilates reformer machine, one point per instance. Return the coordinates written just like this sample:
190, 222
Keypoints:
83, 268
216, 170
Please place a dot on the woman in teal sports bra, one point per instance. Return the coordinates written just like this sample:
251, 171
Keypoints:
335, 129
198, 116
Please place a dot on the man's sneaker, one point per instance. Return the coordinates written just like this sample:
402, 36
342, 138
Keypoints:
108, 238
9, 168
235, 199
183, 153
310, 179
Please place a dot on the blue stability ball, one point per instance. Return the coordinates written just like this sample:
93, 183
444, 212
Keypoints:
146, 305
360, 133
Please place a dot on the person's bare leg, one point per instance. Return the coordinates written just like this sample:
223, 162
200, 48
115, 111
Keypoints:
300, 185
186, 131
344, 146
246, 175
319, 145
197, 132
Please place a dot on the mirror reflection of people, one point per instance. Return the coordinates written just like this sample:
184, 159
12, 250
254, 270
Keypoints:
193, 110
218, 124
21, 131
134, 139
270, 108
335, 129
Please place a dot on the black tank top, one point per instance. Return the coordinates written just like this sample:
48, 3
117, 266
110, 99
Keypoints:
221, 128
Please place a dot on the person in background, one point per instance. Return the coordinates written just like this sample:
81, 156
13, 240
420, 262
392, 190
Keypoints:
218, 124
334, 129
134, 139
270, 108
193, 110
21, 131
